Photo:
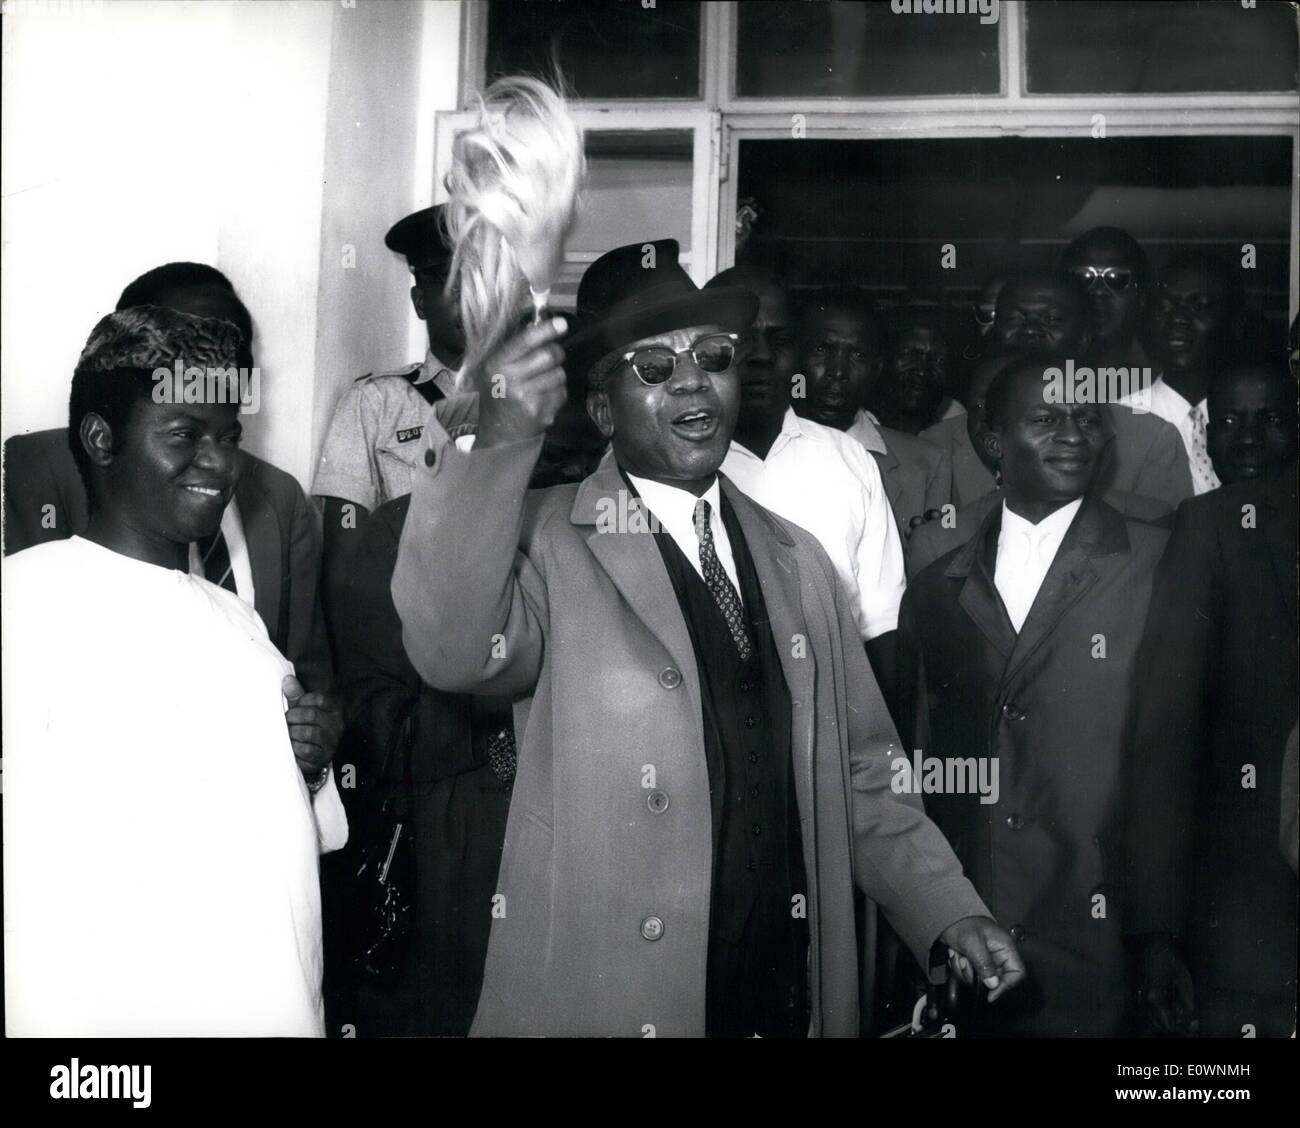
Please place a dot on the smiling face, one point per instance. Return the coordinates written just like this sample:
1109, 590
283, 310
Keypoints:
676, 432
1040, 314
839, 359
1049, 453
170, 473
1188, 317
1252, 428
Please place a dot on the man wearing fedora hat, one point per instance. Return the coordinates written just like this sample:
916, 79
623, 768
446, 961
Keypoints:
704, 760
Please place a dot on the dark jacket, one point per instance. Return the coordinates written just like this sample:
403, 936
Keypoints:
458, 803
280, 527
1220, 658
1050, 705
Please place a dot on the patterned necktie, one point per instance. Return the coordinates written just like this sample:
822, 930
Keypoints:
1203, 474
216, 561
719, 585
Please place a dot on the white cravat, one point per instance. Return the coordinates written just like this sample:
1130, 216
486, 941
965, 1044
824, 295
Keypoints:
675, 510
1025, 553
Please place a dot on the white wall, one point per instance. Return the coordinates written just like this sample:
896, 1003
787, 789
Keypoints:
256, 135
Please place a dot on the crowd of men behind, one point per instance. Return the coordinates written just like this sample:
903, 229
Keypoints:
1054, 644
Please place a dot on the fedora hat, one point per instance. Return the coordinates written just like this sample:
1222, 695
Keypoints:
639, 291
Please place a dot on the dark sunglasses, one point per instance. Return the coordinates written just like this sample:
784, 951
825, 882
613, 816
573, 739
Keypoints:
655, 364
1115, 278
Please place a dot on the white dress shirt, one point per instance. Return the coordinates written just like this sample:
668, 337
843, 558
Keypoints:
825, 482
1025, 553
1189, 420
674, 508
160, 853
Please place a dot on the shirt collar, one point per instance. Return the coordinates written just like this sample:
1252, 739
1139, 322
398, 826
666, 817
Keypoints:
1051, 527
433, 368
674, 506
1179, 404
866, 429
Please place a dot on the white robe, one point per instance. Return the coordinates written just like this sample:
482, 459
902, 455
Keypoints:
160, 844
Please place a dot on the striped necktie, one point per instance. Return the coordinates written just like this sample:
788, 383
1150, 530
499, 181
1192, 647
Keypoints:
215, 556
719, 585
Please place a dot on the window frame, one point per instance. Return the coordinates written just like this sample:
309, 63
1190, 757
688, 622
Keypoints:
1013, 112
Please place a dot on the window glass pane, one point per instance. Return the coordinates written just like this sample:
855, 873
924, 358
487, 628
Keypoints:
604, 49
879, 213
832, 49
1153, 47
638, 189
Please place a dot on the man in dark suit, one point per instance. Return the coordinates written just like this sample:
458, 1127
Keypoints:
1023, 648
267, 550
694, 790
1207, 887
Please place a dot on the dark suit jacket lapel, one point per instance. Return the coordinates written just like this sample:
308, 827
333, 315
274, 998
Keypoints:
1096, 531
265, 540
634, 565
973, 566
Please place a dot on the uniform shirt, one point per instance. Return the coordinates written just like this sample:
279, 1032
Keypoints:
1190, 422
1025, 553
368, 456
825, 482
674, 508
160, 861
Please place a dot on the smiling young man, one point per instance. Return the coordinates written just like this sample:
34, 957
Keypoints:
1193, 314
1025, 642
703, 767
167, 782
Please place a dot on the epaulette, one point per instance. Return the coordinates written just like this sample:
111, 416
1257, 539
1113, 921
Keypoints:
407, 373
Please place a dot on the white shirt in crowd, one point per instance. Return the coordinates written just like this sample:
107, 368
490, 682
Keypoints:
825, 482
161, 844
1025, 553
674, 509
1190, 421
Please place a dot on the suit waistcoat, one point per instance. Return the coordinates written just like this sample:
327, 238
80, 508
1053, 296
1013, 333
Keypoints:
758, 860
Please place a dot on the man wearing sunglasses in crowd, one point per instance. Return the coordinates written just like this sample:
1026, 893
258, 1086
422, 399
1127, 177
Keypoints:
1113, 268
704, 755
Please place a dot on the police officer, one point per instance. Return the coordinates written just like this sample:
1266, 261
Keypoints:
373, 439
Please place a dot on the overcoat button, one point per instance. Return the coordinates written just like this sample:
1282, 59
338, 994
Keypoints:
657, 801
1016, 821
670, 678
430, 458
1012, 713
652, 928
1018, 933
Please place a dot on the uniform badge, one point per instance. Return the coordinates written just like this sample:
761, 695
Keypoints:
409, 433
